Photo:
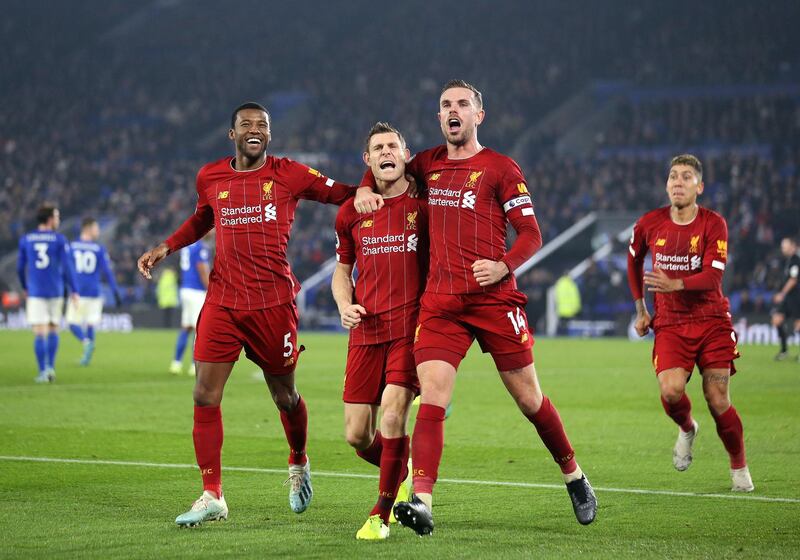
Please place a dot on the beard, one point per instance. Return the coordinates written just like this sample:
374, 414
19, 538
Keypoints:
244, 148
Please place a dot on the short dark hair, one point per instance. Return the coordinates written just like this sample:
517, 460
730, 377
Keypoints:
690, 160
381, 127
466, 85
45, 212
88, 221
248, 105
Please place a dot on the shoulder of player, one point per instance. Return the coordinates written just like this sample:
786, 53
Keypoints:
710, 216
430, 155
347, 212
654, 217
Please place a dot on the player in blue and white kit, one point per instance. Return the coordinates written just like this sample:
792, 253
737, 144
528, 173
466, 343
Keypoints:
194, 283
43, 264
90, 258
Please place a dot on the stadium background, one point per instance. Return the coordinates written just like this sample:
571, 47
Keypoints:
110, 109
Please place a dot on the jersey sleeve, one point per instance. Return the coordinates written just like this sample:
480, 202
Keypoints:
22, 263
637, 251
203, 254
715, 257
345, 245
309, 184
108, 270
198, 224
69, 264
513, 196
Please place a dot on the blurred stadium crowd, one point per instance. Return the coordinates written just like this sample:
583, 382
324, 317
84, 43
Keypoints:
116, 116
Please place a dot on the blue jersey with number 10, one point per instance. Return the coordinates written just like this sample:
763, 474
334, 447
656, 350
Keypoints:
190, 257
43, 263
90, 259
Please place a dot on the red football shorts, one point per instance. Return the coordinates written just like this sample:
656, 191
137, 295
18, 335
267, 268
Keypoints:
268, 336
711, 344
371, 367
449, 323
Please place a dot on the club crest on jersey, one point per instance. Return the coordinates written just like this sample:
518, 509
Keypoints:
267, 188
434, 176
411, 220
473, 179
366, 223
693, 243
722, 248
659, 242
522, 188
222, 195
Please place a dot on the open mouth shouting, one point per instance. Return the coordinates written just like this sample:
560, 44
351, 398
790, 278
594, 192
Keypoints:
453, 124
387, 164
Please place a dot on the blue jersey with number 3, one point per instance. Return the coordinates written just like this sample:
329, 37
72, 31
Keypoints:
44, 263
90, 259
190, 257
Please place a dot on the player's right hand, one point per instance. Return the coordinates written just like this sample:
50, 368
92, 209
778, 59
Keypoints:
351, 315
151, 258
642, 323
367, 200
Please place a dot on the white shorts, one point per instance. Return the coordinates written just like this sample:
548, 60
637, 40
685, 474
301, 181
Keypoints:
44, 311
191, 303
88, 311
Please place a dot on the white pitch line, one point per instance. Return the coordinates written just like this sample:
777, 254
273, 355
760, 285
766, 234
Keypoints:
748, 497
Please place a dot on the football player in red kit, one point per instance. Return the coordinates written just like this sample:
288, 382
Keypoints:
471, 293
692, 322
250, 200
389, 249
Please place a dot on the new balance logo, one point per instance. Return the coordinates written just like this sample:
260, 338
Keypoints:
270, 212
468, 200
411, 245
695, 262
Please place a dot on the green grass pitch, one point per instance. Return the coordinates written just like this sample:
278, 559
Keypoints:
126, 408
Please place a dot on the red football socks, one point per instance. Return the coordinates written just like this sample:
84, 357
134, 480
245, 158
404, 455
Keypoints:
427, 449
372, 454
551, 430
731, 432
207, 436
393, 460
680, 412
295, 426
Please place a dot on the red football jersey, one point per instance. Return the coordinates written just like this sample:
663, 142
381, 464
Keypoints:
470, 202
390, 251
696, 252
253, 212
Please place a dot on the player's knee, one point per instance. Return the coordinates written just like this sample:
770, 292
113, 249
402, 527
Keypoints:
358, 439
718, 402
392, 420
204, 396
285, 400
671, 392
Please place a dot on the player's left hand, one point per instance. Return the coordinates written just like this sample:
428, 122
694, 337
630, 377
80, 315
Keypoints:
658, 281
367, 200
74, 298
488, 272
